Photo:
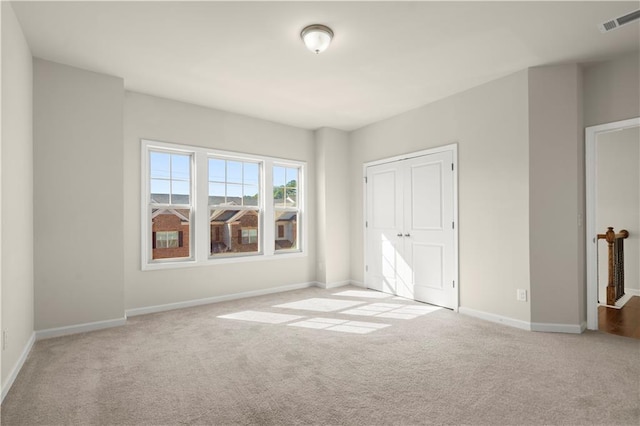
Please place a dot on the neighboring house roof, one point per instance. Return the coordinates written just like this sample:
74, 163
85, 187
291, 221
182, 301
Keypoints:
221, 216
288, 216
164, 198
183, 214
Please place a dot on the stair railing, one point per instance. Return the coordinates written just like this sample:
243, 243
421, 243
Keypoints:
615, 282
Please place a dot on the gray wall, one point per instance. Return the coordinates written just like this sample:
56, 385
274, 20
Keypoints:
16, 191
333, 242
148, 117
556, 201
612, 90
490, 125
78, 201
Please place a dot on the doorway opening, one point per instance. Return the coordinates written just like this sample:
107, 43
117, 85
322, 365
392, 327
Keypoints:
612, 155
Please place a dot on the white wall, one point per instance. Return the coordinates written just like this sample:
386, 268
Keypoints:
490, 124
148, 117
78, 201
556, 203
333, 242
618, 185
17, 191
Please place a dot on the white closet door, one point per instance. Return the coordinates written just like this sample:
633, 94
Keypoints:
429, 247
410, 237
384, 223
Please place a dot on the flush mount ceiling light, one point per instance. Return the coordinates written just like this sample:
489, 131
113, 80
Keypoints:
317, 37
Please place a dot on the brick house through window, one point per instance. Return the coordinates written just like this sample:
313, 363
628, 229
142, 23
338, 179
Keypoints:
234, 231
170, 233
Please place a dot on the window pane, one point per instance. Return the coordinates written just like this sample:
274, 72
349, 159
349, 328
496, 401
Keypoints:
234, 171
278, 176
159, 191
170, 233
292, 177
234, 194
251, 174
216, 170
250, 197
291, 199
233, 231
216, 193
179, 192
159, 164
180, 167
286, 230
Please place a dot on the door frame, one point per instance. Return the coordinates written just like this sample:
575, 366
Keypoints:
591, 161
453, 148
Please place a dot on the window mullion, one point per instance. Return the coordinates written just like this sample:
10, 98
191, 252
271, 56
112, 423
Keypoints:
201, 232
268, 234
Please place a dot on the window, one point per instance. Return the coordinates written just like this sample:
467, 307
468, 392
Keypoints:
249, 236
234, 205
285, 201
167, 239
205, 206
169, 204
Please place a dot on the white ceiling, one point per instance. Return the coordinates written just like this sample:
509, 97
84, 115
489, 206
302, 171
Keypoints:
386, 57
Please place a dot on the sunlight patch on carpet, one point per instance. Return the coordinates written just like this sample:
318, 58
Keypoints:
345, 326
363, 293
320, 305
391, 310
264, 317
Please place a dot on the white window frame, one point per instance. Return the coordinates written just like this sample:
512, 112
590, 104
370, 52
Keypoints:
296, 210
259, 208
200, 228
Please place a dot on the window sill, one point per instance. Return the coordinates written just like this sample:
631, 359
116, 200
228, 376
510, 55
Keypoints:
223, 261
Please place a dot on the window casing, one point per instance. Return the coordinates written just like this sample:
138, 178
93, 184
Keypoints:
286, 209
225, 207
169, 204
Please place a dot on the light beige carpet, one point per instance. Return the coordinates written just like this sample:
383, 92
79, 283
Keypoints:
191, 367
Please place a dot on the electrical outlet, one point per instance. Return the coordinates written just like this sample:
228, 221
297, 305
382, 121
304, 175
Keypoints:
4, 339
521, 295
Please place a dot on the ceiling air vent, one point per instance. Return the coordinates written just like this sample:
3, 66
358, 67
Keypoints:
616, 23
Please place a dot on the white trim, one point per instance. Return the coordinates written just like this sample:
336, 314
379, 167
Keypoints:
216, 299
591, 134
559, 328
453, 147
6, 386
200, 255
523, 325
628, 294
357, 283
632, 291
450, 147
333, 285
79, 328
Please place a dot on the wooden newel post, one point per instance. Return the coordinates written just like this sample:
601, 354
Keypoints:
610, 236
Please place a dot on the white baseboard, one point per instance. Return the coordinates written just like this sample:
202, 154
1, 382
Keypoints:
628, 294
559, 328
333, 285
357, 283
16, 368
79, 328
216, 299
523, 325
